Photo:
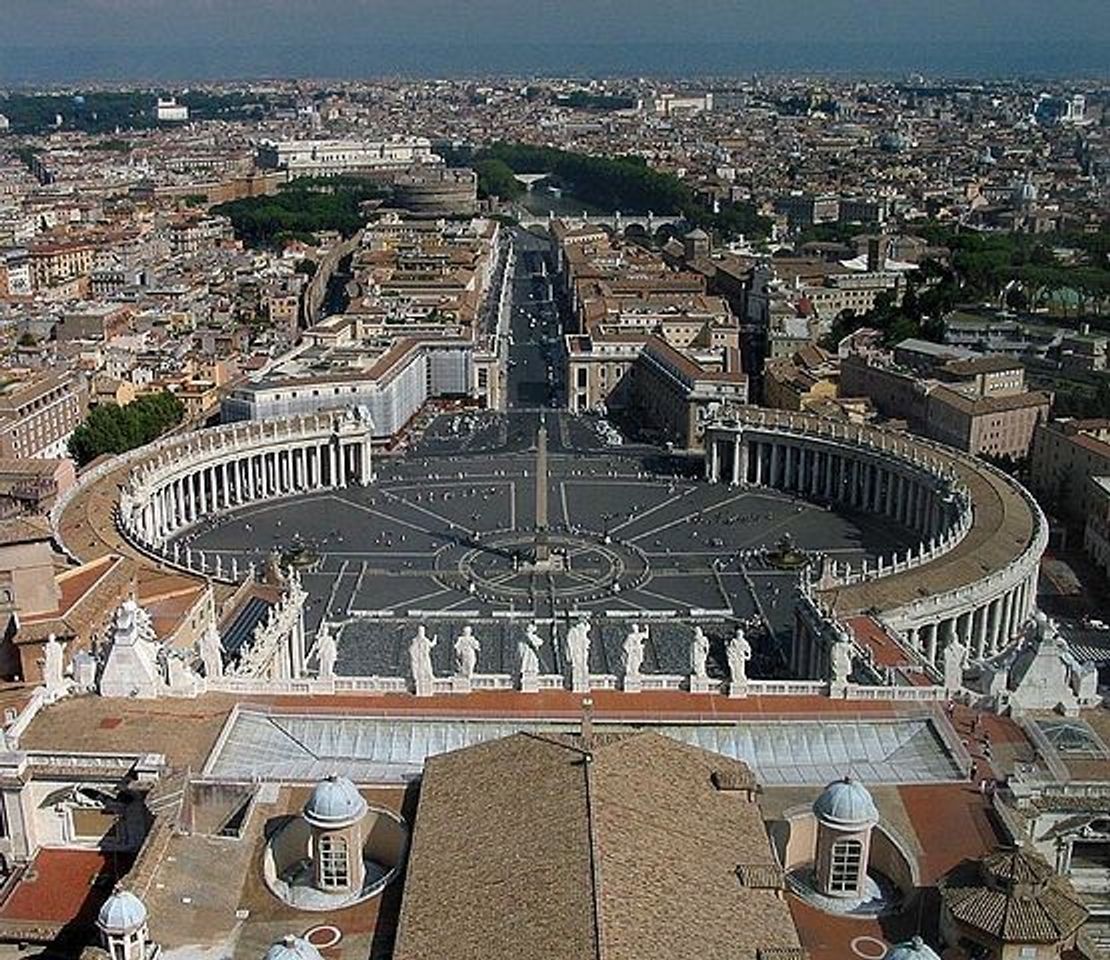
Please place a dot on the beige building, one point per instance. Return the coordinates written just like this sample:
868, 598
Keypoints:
32, 486
1096, 533
675, 394
38, 414
980, 411
1066, 454
997, 426
800, 382
55, 262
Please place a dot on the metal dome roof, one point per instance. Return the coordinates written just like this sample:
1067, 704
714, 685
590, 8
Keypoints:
293, 948
121, 913
846, 803
915, 949
335, 802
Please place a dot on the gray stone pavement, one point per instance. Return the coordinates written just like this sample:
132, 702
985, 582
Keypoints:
445, 530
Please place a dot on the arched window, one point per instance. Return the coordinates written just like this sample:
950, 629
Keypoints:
334, 873
845, 866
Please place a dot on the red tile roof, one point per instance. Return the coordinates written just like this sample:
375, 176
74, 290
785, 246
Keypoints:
58, 887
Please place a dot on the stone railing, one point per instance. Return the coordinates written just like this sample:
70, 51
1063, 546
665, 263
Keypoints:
379, 685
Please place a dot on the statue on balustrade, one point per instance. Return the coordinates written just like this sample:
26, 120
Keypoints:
467, 648
527, 649
578, 656
211, 653
420, 661
327, 652
54, 665
840, 657
633, 654
955, 653
739, 653
699, 654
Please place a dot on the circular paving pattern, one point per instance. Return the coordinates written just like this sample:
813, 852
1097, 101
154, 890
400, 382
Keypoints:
503, 566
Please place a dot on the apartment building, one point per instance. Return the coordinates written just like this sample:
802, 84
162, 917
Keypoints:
52, 263
1067, 453
39, 412
981, 408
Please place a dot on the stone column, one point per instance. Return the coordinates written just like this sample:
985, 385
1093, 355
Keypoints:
931, 643
980, 631
996, 624
1007, 603
774, 464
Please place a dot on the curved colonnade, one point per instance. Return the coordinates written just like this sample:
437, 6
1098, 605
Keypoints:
972, 576
181, 481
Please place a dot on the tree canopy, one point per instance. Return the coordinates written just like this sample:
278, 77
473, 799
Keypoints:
113, 429
300, 210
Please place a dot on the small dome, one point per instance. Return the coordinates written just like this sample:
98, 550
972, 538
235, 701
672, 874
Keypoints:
335, 802
846, 804
915, 949
293, 948
121, 913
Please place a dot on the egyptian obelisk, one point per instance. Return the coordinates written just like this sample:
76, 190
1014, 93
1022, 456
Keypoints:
542, 552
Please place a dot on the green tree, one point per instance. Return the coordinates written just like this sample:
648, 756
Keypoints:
113, 429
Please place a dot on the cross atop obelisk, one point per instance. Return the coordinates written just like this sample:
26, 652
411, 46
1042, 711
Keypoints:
542, 549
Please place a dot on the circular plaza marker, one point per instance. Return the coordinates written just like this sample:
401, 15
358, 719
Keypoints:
869, 948
323, 936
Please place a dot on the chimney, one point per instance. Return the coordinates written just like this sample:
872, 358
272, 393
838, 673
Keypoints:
588, 723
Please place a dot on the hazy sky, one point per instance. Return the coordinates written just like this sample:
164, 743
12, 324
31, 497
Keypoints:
1029, 34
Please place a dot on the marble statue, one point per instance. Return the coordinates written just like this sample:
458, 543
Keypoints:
54, 665
633, 653
466, 653
527, 649
578, 656
739, 653
327, 652
420, 661
954, 655
211, 654
840, 659
699, 654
